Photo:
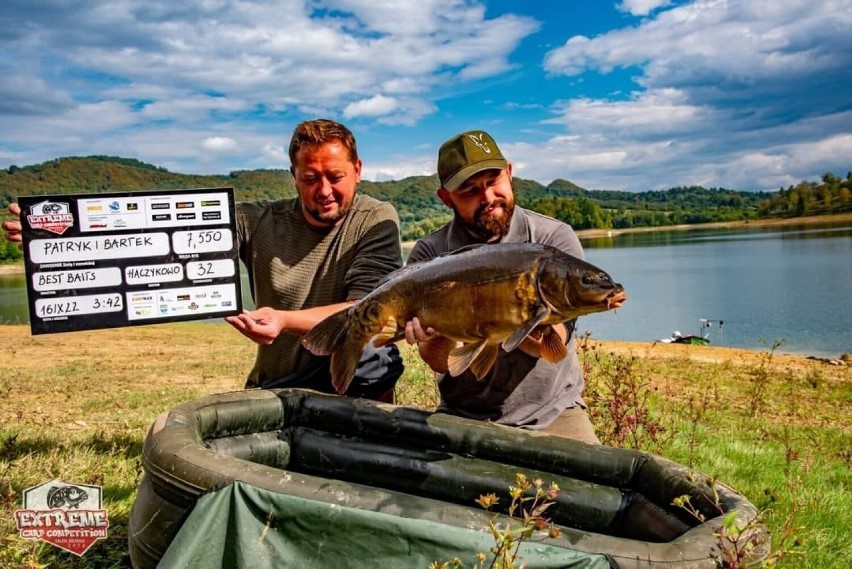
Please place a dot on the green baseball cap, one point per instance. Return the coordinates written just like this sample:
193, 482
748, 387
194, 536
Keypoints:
467, 154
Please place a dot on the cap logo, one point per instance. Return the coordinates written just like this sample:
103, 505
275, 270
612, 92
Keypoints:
481, 144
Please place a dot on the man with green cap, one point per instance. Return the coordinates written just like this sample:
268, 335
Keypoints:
522, 389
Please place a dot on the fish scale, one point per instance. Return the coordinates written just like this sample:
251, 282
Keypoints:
485, 296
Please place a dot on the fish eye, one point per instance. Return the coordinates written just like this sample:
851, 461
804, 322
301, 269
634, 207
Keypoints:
587, 279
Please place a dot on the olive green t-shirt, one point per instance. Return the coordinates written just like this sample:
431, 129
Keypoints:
292, 265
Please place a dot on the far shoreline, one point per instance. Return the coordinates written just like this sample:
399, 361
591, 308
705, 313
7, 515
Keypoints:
768, 222
17, 268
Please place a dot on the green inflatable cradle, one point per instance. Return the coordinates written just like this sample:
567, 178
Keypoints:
295, 478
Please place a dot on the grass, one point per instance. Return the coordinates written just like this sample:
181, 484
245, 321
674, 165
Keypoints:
77, 407
767, 428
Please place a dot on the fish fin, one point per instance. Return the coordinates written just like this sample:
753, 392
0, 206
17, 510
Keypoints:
460, 358
344, 363
553, 349
329, 333
389, 334
518, 335
333, 336
486, 359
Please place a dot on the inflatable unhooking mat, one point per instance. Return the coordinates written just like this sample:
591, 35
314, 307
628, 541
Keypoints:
295, 478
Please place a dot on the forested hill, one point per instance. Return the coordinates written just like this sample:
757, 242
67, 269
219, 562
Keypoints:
420, 210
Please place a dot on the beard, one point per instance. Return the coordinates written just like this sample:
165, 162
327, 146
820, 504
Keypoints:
331, 218
489, 227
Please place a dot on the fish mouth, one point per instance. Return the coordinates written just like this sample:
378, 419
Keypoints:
616, 299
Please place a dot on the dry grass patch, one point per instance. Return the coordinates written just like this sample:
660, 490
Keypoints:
77, 406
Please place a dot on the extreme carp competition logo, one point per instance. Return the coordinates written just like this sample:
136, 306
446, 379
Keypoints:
69, 516
50, 216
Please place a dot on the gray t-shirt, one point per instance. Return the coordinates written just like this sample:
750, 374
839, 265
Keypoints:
520, 390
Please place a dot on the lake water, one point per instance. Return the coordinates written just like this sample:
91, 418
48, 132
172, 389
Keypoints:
792, 285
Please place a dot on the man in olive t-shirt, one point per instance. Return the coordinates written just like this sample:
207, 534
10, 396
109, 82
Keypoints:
292, 265
310, 256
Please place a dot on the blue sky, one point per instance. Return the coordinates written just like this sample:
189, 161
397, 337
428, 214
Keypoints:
620, 95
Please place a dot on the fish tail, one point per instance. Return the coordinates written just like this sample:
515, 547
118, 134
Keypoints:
344, 362
340, 336
327, 335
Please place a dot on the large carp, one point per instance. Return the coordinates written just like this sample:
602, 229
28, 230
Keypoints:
484, 296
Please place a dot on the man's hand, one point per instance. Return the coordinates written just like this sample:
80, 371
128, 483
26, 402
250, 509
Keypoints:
415, 333
12, 227
433, 347
261, 326
265, 324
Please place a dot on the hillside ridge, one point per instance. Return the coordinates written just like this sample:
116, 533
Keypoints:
420, 210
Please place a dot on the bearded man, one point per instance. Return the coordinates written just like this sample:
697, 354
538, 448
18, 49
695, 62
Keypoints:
522, 389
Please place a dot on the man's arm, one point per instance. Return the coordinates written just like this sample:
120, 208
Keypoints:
562, 236
435, 349
265, 324
378, 252
421, 252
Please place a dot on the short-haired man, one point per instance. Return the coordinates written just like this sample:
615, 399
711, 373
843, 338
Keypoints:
310, 256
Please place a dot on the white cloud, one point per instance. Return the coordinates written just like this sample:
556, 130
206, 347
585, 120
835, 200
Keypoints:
80, 125
284, 56
409, 17
729, 45
718, 92
727, 94
649, 113
191, 107
25, 94
389, 110
161, 65
372, 107
825, 153
219, 144
398, 167
276, 154
641, 7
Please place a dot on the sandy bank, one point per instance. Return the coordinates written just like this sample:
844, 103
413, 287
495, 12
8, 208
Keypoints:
11, 269
714, 354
